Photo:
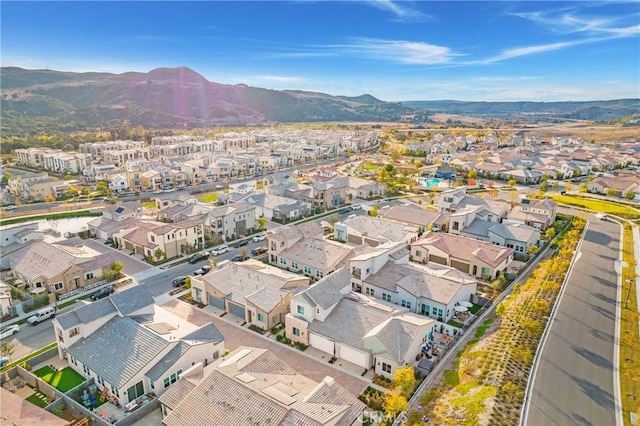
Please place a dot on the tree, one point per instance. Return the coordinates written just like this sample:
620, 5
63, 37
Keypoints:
404, 380
512, 182
568, 187
550, 233
50, 198
394, 402
213, 261
7, 349
472, 174
262, 222
610, 192
243, 252
158, 254
117, 268
583, 187
374, 211
533, 249
629, 195
388, 167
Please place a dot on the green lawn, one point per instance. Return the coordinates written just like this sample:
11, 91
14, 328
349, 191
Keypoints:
149, 205
598, 206
38, 399
63, 380
209, 198
475, 308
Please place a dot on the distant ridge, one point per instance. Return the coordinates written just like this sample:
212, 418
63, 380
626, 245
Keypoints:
166, 98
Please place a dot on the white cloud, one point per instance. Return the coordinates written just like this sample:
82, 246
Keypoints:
408, 52
399, 9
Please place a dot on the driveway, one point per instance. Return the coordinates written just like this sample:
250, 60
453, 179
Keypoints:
236, 336
131, 264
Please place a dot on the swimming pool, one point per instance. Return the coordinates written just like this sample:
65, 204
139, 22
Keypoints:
430, 183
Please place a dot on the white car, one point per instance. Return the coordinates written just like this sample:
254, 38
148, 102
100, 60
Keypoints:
219, 250
9, 330
259, 237
601, 216
356, 207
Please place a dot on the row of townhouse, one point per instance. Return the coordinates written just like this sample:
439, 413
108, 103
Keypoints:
54, 160
37, 186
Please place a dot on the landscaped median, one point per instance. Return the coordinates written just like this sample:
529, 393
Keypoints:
63, 215
629, 339
600, 206
24, 360
489, 377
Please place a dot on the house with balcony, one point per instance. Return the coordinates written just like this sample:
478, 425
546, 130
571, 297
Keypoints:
132, 347
432, 290
257, 293
231, 221
254, 386
477, 258
354, 328
59, 267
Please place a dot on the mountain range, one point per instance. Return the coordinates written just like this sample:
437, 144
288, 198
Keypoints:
47, 101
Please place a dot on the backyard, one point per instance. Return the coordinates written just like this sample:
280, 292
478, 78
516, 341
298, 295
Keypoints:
63, 380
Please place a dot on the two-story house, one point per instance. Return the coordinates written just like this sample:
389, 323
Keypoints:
539, 214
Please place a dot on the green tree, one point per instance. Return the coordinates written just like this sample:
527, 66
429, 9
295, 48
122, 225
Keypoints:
550, 233
374, 211
117, 268
388, 167
7, 349
533, 249
610, 192
472, 174
512, 182
629, 195
404, 380
158, 254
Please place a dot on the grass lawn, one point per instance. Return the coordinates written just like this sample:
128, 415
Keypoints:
371, 167
475, 308
63, 380
598, 206
455, 323
209, 198
38, 399
149, 205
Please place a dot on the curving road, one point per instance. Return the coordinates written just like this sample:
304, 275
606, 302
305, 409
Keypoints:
575, 382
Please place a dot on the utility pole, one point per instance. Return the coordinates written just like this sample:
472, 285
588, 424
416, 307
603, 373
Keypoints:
630, 281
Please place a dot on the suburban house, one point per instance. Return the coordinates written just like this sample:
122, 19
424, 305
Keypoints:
513, 235
364, 189
525, 176
132, 347
477, 258
119, 184
59, 267
174, 198
457, 199
372, 231
232, 220
539, 214
6, 301
275, 207
173, 239
354, 328
414, 215
16, 238
619, 185
432, 290
251, 290
252, 386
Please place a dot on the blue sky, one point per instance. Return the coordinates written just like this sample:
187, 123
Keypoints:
394, 50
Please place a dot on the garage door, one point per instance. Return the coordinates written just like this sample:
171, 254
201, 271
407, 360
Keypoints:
236, 310
321, 343
216, 302
354, 356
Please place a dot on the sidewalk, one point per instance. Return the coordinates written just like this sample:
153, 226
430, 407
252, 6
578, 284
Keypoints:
636, 250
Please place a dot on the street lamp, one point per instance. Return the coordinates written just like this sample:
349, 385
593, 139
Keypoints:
630, 281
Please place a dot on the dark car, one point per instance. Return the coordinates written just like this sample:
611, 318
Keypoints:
179, 281
241, 243
345, 210
238, 258
203, 270
259, 250
196, 257
103, 292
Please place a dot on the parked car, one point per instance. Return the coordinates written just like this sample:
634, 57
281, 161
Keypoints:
356, 207
103, 292
601, 216
238, 258
3, 360
196, 257
241, 243
9, 330
345, 210
259, 250
11, 207
203, 270
179, 281
259, 237
41, 315
220, 250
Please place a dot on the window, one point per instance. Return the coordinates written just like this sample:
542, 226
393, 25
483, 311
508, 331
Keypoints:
418, 253
216, 355
115, 391
100, 381
86, 370
198, 294
294, 265
386, 297
370, 291
319, 274
435, 311
179, 372
153, 239
261, 317
57, 286
296, 331
301, 310
386, 367
307, 270
283, 261
74, 331
89, 276
406, 304
151, 384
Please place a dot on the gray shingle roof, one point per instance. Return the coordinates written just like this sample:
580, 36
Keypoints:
168, 360
118, 350
326, 292
87, 313
206, 333
349, 322
132, 299
175, 393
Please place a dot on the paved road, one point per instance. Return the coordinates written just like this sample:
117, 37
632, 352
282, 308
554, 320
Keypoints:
574, 381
